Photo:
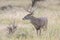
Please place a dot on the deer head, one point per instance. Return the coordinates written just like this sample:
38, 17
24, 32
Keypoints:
28, 16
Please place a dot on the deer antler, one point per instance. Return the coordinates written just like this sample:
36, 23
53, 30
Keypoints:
31, 10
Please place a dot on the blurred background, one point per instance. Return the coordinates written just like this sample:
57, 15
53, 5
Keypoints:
14, 10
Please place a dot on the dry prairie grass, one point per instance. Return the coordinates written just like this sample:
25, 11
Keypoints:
26, 30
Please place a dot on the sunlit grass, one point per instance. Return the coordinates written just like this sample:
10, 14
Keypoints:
52, 32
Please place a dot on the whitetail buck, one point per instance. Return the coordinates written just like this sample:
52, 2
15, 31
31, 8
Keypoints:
38, 23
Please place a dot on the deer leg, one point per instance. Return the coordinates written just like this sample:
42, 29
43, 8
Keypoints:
37, 32
40, 31
45, 27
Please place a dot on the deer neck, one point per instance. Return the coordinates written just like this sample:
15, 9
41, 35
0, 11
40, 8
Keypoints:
32, 18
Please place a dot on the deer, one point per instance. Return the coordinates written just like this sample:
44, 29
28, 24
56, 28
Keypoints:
38, 23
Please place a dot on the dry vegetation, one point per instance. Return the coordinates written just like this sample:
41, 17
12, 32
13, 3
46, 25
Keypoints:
25, 30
